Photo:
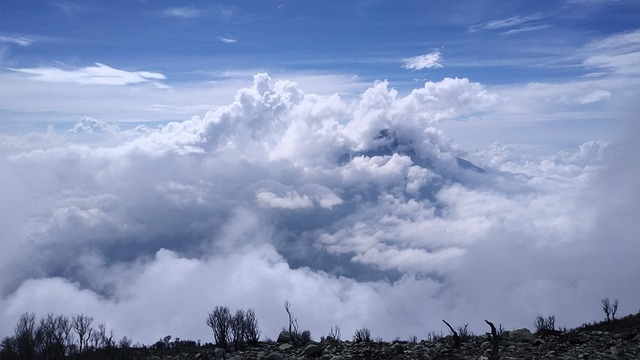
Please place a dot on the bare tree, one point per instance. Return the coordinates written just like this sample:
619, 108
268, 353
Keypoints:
609, 308
9, 348
362, 335
251, 329
56, 336
82, 326
238, 329
293, 322
456, 338
495, 336
334, 332
27, 336
219, 321
545, 325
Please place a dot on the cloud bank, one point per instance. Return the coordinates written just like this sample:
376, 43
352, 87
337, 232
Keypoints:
362, 211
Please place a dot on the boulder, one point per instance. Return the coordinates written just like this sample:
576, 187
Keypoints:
521, 335
284, 337
313, 351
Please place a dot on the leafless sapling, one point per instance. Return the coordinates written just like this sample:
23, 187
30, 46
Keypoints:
219, 321
82, 326
456, 338
495, 336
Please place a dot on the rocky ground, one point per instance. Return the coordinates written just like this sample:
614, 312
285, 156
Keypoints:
620, 340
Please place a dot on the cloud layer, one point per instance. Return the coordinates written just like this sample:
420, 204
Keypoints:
362, 211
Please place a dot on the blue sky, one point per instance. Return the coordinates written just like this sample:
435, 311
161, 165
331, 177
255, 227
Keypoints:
372, 161
198, 52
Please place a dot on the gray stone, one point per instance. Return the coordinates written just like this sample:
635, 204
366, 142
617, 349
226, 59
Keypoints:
521, 335
313, 351
538, 342
285, 347
274, 356
284, 337
219, 353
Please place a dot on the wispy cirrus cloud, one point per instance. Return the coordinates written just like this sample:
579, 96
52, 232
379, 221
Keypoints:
619, 53
69, 8
227, 40
16, 39
426, 61
99, 74
182, 12
512, 25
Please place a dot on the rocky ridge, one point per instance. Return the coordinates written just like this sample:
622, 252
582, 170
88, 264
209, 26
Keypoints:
618, 340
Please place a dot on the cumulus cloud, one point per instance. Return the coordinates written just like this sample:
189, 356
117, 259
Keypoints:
426, 61
363, 211
99, 74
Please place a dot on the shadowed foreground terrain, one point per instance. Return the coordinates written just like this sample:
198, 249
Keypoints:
609, 339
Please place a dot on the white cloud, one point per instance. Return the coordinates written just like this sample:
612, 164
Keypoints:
99, 74
227, 40
618, 53
512, 25
426, 61
182, 12
18, 40
594, 96
291, 200
360, 210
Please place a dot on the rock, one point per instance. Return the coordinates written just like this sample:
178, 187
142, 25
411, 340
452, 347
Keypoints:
285, 337
330, 341
617, 353
274, 356
313, 351
218, 353
538, 342
285, 347
521, 335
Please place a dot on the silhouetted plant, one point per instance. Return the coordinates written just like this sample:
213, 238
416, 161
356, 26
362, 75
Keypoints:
56, 336
545, 325
27, 336
456, 338
362, 335
9, 348
465, 333
609, 308
219, 321
334, 332
433, 336
304, 337
298, 337
237, 329
81, 324
293, 322
252, 331
495, 336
